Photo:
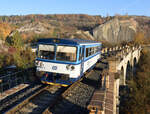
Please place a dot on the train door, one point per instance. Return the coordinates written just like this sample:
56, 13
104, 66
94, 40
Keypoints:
82, 60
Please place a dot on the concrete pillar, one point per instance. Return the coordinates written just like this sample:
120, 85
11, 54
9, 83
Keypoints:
113, 63
117, 92
113, 49
107, 50
116, 48
122, 53
117, 83
133, 48
120, 48
103, 82
103, 51
110, 49
127, 50
140, 46
107, 81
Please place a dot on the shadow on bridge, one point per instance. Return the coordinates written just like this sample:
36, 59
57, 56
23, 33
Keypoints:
93, 83
66, 106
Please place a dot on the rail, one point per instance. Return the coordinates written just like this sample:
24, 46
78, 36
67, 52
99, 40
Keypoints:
25, 101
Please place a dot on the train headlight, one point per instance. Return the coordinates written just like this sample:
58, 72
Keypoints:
70, 67
36, 63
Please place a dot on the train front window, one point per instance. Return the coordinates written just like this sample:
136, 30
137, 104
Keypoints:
46, 52
66, 53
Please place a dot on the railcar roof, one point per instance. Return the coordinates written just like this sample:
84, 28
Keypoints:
75, 41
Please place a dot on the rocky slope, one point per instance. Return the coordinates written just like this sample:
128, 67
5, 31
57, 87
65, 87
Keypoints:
144, 25
116, 30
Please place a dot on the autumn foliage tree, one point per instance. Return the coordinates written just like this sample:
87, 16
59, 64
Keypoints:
15, 40
23, 56
5, 30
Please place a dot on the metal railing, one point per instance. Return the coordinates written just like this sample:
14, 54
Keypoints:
11, 80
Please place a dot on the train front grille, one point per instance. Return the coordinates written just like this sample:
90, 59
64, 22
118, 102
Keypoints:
57, 76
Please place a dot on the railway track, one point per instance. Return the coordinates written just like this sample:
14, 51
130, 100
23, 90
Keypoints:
15, 98
38, 102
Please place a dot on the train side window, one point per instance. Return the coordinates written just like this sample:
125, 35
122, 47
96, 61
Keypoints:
91, 50
87, 52
80, 54
97, 49
94, 49
90, 53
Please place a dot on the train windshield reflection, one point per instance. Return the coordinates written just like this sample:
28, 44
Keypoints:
66, 53
46, 52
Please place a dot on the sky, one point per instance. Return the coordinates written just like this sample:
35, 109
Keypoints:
91, 7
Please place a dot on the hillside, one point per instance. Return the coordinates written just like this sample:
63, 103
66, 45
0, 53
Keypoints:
107, 29
31, 26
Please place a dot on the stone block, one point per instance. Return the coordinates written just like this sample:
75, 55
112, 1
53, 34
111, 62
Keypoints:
113, 65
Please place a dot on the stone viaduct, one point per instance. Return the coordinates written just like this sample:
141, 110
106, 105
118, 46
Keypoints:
121, 61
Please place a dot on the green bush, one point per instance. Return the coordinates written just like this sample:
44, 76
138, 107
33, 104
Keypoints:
15, 40
24, 58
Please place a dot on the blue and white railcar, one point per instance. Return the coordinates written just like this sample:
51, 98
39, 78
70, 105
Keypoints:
64, 61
